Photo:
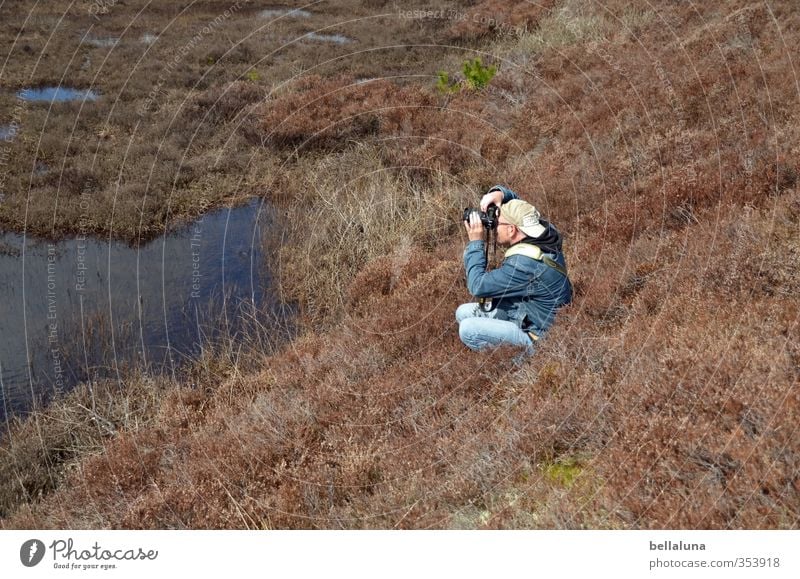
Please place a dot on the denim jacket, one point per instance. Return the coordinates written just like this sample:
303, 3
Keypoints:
528, 292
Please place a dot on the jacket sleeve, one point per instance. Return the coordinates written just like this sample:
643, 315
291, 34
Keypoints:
508, 194
505, 281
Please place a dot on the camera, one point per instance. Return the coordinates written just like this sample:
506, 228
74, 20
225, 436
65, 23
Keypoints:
488, 218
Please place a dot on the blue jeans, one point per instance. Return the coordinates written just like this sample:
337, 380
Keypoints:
479, 330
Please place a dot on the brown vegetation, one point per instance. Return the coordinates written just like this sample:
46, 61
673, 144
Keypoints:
162, 143
662, 142
498, 17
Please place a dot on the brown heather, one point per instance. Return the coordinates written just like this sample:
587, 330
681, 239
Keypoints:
166, 139
663, 143
497, 17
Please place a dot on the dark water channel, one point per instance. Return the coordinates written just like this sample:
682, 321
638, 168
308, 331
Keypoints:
84, 308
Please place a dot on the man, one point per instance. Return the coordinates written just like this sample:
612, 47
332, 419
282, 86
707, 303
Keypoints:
529, 286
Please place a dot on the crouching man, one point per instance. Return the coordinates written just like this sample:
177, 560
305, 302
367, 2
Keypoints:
529, 286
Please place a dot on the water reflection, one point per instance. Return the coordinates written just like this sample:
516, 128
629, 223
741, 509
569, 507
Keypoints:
83, 308
56, 94
335, 38
276, 12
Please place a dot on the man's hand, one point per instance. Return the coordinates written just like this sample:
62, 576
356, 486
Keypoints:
495, 197
474, 227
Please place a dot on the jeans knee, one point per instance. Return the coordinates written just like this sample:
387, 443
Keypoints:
469, 334
465, 311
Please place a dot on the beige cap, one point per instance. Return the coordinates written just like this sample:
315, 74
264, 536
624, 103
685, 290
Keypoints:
523, 215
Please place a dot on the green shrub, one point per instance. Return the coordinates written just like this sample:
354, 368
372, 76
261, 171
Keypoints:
477, 76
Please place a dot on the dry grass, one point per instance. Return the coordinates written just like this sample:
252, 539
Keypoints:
666, 396
351, 210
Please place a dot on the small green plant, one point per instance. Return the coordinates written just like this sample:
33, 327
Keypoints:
253, 76
477, 76
445, 85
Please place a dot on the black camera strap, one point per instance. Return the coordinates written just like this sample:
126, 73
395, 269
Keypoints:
487, 304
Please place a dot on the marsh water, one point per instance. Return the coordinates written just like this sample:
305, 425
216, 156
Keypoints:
80, 308
59, 94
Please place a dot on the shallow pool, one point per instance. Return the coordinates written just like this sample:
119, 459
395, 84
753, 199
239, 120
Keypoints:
57, 94
85, 308
292, 13
335, 38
